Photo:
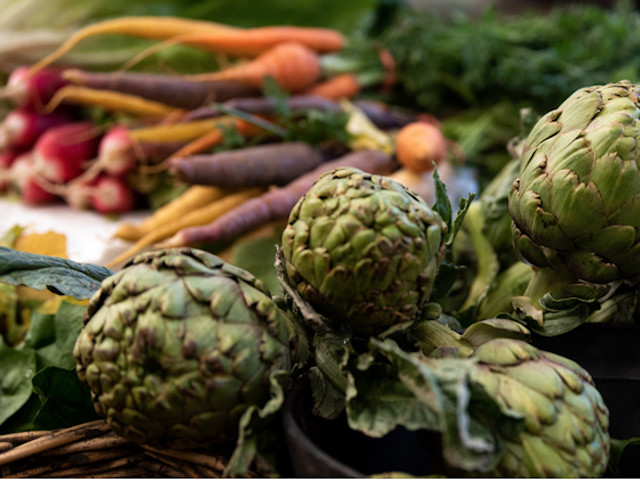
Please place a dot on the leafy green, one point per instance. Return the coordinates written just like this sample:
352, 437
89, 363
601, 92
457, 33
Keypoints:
64, 399
61, 276
534, 59
40, 387
16, 369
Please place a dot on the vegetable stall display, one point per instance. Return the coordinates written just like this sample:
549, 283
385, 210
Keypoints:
324, 209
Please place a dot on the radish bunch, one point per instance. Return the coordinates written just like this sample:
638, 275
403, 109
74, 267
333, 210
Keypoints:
51, 156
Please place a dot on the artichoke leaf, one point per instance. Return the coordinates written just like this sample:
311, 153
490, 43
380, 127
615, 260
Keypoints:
256, 440
432, 394
59, 275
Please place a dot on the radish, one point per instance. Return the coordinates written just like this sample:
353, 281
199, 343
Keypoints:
116, 154
62, 152
26, 181
25, 89
22, 127
112, 194
7, 157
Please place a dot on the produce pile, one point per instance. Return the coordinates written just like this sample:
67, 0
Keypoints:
312, 219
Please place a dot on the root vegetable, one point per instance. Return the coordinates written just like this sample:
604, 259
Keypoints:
262, 165
21, 128
276, 203
172, 90
420, 145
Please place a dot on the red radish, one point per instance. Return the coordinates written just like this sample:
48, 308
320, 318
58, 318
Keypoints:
7, 157
112, 195
116, 152
61, 153
22, 127
27, 182
26, 89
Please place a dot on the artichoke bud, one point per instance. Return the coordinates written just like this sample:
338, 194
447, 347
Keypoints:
178, 344
363, 250
576, 201
565, 419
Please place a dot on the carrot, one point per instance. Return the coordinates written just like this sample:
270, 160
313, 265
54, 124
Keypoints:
346, 85
276, 203
179, 132
107, 100
420, 145
173, 90
293, 66
193, 198
201, 216
384, 116
252, 42
259, 166
151, 27
215, 136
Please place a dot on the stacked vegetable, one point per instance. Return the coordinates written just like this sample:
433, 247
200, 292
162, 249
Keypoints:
399, 310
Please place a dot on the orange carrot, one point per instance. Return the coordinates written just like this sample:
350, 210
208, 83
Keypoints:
215, 136
276, 203
419, 145
152, 27
346, 85
107, 100
293, 66
251, 42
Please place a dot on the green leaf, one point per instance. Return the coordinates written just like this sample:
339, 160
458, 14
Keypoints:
256, 256
67, 325
442, 204
617, 451
61, 276
17, 367
41, 331
443, 397
65, 400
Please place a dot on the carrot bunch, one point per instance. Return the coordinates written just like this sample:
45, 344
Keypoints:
237, 145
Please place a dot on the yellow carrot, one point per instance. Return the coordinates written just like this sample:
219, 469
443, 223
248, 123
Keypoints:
108, 100
151, 27
179, 132
193, 198
201, 216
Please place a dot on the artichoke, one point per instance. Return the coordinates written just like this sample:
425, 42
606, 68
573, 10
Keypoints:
576, 204
565, 419
363, 250
503, 406
178, 345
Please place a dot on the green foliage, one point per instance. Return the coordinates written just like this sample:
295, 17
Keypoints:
56, 274
40, 388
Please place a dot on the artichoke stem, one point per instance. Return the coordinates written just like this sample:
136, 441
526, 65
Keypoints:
545, 280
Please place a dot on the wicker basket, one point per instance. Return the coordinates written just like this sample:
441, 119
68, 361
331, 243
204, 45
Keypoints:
93, 450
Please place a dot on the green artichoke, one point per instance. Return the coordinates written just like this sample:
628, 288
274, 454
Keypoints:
178, 345
576, 203
565, 419
363, 250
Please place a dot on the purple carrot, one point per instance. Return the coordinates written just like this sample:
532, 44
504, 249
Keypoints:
385, 116
172, 90
259, 166
276, 203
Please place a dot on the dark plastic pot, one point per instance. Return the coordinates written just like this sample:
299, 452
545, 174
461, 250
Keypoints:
330, 449
611, 354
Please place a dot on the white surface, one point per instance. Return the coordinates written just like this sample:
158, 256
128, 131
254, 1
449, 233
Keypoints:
89, 234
